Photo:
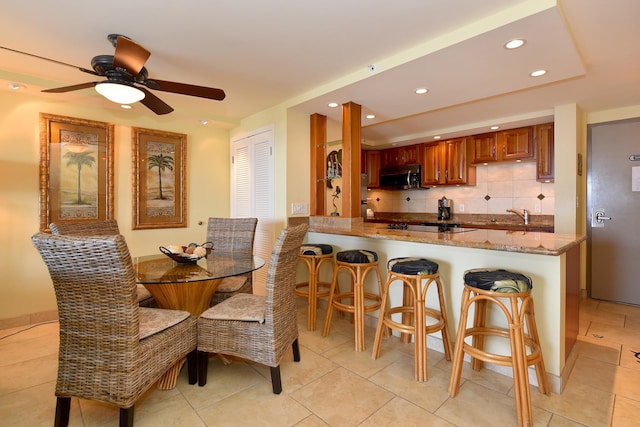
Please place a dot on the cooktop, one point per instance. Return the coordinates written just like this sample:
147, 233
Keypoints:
449, 228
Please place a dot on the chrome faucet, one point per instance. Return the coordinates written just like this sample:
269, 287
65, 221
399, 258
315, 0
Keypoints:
524, 215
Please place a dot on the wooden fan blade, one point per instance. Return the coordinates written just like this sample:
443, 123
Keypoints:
70, 88
84, 70
191, 90
130, 55
154, 103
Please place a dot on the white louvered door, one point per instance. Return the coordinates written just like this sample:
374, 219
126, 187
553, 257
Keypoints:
252, 192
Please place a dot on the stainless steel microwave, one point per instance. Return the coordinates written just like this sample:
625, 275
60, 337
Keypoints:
400, 178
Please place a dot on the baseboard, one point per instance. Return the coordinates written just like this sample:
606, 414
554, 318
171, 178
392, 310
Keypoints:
29, 319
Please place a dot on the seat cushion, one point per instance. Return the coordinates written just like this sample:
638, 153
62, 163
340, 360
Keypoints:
412, 266
231, 284
315, 249
357, 256
497, 280
245, 307
154, 320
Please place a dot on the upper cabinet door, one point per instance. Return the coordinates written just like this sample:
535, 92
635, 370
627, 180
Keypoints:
455, 154
543, 137
373, 168
516, 144
431, 164
484, 148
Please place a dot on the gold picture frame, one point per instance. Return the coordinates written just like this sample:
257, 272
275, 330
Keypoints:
76, 170
159, 179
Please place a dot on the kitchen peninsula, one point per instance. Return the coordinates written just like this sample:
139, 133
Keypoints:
552, 260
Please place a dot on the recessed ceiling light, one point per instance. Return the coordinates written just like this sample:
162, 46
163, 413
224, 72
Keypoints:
126, 106
421, 90
437, 137
514, 44
204, 121
538, 73
494, 127
333, 104
370, 116
15, 86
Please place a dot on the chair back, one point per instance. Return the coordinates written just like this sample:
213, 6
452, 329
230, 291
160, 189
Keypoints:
280, 295
232, 234
95, 287
85, 228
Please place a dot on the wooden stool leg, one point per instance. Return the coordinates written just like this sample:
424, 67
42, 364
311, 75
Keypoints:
377, 342
479, 321
358, 308
327, 318
420, 337
519, 363
446, 339
407, 317
312, 301
458, 352
532, 329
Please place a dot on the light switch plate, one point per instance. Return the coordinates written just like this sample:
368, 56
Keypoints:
299, 208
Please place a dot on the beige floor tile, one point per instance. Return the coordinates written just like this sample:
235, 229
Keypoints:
630, 357
558, 421
578, 402
611, 307
298, 374
255, 406
593, 314
34, 406
342, 398
599, 349
401, 412
606, 377
28, 373
399, 378
477, 406
625, 412
312, 421
361, 362
222, 382
614, 334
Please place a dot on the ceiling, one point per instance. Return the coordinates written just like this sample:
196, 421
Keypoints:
376, 53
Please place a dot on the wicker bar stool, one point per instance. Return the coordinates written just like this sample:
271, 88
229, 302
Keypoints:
358, 263
511, 293
416, 275
314, 256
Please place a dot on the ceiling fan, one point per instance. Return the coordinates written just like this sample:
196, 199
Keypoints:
127, 78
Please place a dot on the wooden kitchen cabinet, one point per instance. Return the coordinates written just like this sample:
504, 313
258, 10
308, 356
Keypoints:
516, 144
400, 156
372, 168
506, 145
446, 163
544, 148
484, 148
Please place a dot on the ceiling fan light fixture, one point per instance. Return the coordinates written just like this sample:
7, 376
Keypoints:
120, 93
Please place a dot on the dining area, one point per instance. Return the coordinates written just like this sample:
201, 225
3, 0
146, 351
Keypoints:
129, 324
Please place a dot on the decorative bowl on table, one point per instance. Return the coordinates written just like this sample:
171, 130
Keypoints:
189, 254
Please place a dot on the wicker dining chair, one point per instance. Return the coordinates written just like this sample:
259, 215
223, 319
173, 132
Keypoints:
111, 349
108, 227
232, 235
255, 327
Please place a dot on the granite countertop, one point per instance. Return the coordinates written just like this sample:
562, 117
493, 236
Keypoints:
533, 242
490, 221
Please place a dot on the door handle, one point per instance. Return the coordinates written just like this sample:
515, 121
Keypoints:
598, 218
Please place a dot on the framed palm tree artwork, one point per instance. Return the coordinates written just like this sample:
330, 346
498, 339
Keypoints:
76, 170
159, 175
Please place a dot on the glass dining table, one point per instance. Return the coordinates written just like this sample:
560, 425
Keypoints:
189, 287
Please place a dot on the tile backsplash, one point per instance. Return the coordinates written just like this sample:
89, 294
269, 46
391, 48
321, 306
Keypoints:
498, 187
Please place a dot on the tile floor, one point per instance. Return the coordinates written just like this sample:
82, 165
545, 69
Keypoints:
333, 385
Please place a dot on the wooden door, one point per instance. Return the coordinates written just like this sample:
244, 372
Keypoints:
373, 168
